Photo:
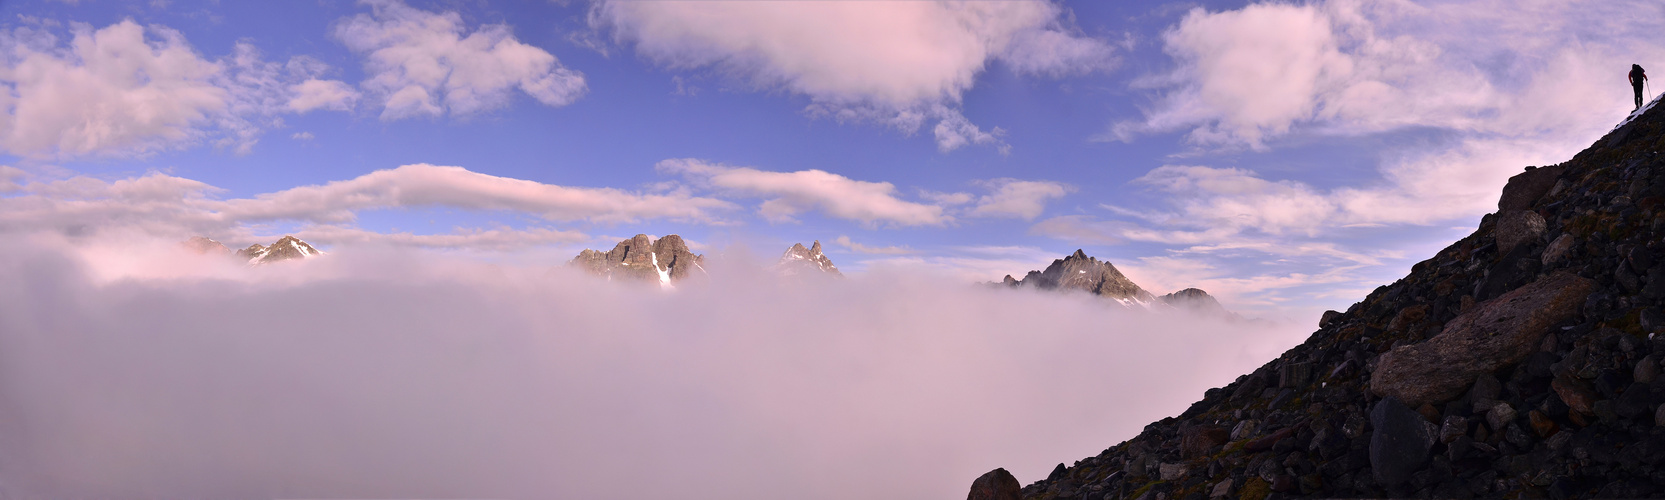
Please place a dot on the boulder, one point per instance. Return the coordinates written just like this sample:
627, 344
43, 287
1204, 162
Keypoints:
1525, 188
1557, 250
1492, 335
1197, 440
1518, 226
1399, 443
996, 485
1327, 318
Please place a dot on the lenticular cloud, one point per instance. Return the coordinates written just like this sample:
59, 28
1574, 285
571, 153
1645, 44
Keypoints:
376, 373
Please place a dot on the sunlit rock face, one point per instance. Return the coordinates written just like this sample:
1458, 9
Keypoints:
1088, 274
286, 248
800, 261
642, 258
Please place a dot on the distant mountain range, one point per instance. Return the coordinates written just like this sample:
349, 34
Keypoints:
668, 260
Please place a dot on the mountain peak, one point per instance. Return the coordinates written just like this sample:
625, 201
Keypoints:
204, 245
286, 248
800, 260
1080, 272
642, 258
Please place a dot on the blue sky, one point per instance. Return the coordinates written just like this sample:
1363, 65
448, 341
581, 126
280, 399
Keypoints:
1285, 156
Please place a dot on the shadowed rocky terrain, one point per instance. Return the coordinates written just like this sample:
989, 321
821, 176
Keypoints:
1520, 361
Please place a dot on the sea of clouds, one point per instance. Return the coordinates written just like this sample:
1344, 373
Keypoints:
132, 369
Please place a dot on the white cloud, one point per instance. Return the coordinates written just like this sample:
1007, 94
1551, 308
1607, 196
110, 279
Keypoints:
322, 94
1018, 199
302, 136
176, 207
426, 63
792, 193
461, 239
845, 242
111, 90
130, 90
897, 63
428, 185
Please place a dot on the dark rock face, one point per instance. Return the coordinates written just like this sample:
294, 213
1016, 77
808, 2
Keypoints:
1080, 272
285, 248
644, 259
1400, 442
1556, 394
800, 261
1495, 334
996, 485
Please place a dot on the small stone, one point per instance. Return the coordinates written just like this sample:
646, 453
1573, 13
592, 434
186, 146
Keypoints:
1542, 424
1428, 411
996, 485
1244, 430
1266, 443
1283, 483
1484, 392
1604, 410
1577, 394
1453, 428
1499, 416
1646, 370
1221, 490
1171, 472
1659, 416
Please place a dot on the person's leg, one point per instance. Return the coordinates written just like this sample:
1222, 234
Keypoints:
1638, 96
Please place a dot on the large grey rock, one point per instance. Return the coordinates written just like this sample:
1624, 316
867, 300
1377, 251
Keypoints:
1399, 443
1494, 334
1515, 227
642, 258
1525, 188
996, 485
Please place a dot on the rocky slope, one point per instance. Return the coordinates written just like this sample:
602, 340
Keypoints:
1521, 361
800, 261
642, 258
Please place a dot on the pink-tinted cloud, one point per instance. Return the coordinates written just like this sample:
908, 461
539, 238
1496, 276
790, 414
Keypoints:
899, 63
423, 63
790, 193
399, 374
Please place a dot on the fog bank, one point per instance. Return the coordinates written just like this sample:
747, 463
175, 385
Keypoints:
382, 373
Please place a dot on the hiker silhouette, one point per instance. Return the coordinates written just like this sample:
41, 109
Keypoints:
1637, 78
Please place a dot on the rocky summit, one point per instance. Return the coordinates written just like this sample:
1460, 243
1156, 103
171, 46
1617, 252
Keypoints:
1080, 272
642, 258
800, 261
1521, 361
285, 248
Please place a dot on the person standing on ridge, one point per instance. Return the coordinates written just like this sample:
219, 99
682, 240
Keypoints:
1637, 78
